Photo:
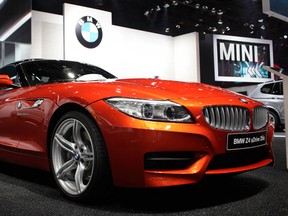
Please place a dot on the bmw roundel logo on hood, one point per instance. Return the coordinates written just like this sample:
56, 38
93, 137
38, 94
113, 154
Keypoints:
89, 32
243, 100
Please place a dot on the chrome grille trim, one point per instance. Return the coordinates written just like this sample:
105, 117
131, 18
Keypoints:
260, 117
232, 118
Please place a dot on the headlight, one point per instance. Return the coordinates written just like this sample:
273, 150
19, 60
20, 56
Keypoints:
151, 109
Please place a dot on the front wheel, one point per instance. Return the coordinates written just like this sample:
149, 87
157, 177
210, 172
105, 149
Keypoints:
79, 159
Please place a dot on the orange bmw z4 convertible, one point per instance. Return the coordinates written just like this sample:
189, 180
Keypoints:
95, 132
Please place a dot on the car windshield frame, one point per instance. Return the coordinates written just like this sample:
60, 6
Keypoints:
39, 72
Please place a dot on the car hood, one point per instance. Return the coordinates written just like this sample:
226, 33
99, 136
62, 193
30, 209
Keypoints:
193, 93
154, 89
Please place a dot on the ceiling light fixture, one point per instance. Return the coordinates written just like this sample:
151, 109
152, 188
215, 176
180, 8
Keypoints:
166, 5
213, 11
220, 12
213, 29
205, 7
174, 3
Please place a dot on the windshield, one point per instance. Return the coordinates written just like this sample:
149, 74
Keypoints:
50, 71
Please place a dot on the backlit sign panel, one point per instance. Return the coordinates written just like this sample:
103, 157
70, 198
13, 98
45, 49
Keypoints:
240, 59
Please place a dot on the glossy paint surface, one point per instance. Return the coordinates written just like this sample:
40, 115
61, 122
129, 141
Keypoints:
27, 116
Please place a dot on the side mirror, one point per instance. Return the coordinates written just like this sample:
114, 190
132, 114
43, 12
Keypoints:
5, 81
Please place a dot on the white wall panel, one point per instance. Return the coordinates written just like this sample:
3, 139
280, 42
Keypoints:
47, 35
186, 57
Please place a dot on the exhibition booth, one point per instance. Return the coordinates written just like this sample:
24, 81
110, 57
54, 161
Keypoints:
221, 60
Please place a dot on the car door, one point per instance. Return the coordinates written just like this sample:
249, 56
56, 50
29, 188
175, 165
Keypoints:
31, 115
33, 111
8, 116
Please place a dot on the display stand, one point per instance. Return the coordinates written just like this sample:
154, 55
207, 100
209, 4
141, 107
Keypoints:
284, 76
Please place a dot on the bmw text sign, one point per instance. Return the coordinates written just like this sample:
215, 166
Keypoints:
240, 59
89, 32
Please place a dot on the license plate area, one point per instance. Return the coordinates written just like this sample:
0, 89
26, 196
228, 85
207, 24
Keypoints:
246, 140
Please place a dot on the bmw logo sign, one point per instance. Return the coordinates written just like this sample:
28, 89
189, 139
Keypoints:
89, 32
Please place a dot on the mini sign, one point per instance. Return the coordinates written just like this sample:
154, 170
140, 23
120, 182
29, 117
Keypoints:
239, 59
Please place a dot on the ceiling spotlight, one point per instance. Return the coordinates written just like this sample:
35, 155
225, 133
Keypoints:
167, 30
252, 32
220, 22
285, 36
205, 7
158, 8
213, 10
251, 26
260, 20
227, 28
178, 26
197, 6
146, 13
220, 12
197, 25
263, 27
175, 3
213, 29
166, 5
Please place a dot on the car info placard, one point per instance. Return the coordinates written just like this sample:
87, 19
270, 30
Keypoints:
246, 140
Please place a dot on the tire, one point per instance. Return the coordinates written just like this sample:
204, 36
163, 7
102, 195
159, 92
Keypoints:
79, 159
275, 120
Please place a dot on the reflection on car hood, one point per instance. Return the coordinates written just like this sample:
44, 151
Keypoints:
175, 88
155, 89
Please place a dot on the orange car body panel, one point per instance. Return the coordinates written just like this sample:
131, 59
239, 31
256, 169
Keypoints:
24, 130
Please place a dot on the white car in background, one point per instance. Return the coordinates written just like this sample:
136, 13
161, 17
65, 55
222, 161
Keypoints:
271, 94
